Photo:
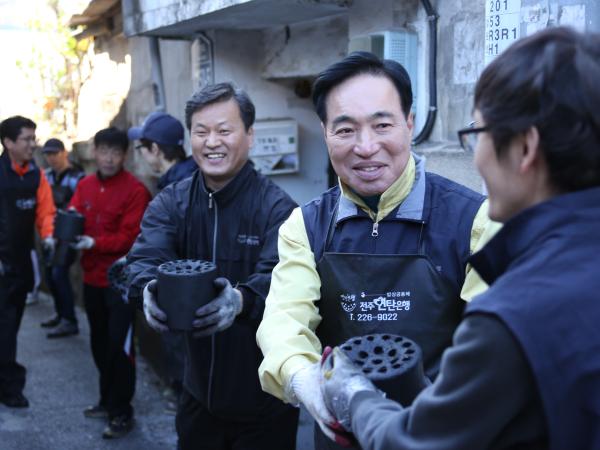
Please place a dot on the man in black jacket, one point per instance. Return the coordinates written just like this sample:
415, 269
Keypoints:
25, 203
229, 214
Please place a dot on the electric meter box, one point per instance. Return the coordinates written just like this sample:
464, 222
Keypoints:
400, 46
275, 149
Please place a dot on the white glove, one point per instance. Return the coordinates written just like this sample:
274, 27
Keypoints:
155, 316
84, 243
49, 243
306, 389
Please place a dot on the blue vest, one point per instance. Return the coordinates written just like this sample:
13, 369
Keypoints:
437, 212
545, 272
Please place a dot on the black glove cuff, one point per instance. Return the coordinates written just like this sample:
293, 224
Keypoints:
247, 300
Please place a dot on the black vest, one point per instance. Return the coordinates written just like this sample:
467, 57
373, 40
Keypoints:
434, 221
18, 202
543, 271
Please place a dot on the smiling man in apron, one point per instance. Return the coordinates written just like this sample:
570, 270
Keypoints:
385, 251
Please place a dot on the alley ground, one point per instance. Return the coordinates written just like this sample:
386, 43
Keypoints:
62, 381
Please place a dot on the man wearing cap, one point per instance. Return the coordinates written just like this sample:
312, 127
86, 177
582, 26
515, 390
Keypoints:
63, 177
161, 145
25, 203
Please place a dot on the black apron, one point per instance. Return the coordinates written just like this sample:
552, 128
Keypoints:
398, 294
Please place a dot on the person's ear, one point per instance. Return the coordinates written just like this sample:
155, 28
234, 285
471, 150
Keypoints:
250, 134
154, 149
8, 143
410, 122
530, 150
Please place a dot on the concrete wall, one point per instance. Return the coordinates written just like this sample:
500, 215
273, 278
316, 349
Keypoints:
268, 62
239, 56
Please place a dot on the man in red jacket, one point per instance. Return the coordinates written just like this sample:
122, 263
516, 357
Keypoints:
113, 202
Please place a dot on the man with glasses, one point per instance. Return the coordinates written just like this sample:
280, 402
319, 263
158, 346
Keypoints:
468, 137
384, 252
161, 145
113, 202
25, 203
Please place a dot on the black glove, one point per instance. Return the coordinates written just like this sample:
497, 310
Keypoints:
220, 313
341, 381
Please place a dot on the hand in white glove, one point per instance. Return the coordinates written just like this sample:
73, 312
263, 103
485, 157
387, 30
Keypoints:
84, 243
306, 389
340, 382
220, 313
49, 243
155, 316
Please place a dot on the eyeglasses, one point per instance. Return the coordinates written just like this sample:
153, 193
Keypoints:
139, 147
468, 136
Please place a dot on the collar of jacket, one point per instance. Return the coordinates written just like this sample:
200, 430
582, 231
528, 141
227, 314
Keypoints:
558, 216
65, 173
411, 203
110, 180
231, 189
180, 170
28, 167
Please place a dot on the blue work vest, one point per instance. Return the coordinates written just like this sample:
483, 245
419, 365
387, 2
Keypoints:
545, 272
427, 238
437, 212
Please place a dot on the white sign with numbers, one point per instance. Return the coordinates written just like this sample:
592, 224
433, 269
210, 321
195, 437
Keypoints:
502, 26
275, 149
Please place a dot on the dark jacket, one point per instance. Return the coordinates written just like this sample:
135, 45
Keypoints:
237, 228
64, 184
484, 398
546, 289
179, 171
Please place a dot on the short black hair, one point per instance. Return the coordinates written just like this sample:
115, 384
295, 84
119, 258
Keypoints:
548, 80
360, 63
171, 152
11, 128
221, 92
113, 137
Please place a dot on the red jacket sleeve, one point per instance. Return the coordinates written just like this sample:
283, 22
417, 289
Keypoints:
129, 227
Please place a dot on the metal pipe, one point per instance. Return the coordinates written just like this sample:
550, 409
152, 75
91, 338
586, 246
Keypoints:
158, 85
432, 17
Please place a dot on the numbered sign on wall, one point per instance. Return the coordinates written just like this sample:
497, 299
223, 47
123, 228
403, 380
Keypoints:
502, 26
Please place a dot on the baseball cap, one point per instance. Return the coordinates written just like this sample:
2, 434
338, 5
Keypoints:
53, 146
159, 127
